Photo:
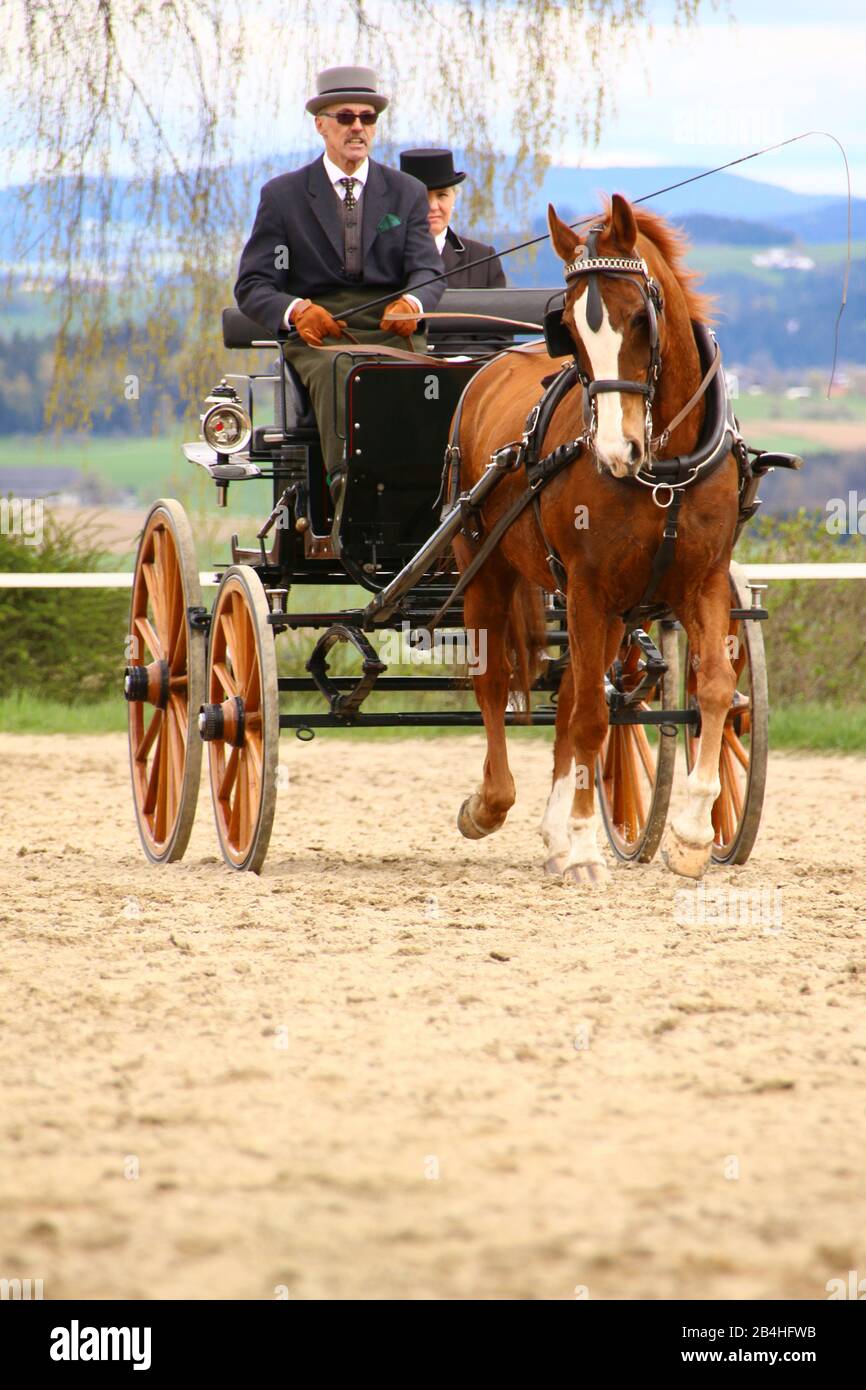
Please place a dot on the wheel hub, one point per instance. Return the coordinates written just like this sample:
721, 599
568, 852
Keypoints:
147, 684
223, 723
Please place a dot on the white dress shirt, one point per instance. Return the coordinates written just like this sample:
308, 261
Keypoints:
440, 238
335, 174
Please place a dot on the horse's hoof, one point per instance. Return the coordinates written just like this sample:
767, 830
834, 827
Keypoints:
587, 875
683, 858
468, 825
555, 865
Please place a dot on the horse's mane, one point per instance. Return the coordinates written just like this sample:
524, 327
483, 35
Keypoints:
673, 245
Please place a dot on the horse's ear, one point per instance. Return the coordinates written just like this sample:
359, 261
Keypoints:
565, 241
623, 228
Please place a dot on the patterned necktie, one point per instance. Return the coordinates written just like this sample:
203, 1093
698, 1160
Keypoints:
349, 185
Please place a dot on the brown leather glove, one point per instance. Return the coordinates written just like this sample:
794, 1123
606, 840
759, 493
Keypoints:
315, 323
405, 327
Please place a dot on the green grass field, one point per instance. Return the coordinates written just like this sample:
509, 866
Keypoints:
772, 406
149, 468
719, 258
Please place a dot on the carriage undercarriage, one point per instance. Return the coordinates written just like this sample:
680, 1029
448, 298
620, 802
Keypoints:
210, 677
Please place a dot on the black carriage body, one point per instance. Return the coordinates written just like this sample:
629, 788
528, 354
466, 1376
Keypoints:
398, 414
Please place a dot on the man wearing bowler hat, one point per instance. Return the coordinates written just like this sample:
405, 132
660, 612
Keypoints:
435, 169
331, 236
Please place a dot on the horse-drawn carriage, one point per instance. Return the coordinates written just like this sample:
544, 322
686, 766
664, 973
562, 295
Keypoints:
200, 676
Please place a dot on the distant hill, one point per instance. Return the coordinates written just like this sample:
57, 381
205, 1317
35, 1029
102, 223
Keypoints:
722, 195
575, 192
828, 223
734, 231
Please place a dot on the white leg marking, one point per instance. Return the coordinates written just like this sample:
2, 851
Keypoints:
557, 814
584, 841
694, 823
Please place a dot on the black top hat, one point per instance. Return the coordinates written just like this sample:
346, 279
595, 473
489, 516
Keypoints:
435, 168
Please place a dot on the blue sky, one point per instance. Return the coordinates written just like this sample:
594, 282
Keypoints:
723, 89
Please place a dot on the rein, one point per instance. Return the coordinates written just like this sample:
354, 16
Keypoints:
446, 314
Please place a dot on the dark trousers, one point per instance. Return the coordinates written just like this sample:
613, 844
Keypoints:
324, 373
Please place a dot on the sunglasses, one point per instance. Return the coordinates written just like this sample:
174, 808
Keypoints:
350, 117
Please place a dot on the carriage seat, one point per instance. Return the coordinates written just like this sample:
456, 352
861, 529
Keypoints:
298, 406
240, 331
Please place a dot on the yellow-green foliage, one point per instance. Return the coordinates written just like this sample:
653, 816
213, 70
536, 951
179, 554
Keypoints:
815, 637
64, 643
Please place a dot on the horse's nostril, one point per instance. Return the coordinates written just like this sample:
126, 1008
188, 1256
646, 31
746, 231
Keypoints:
635, 453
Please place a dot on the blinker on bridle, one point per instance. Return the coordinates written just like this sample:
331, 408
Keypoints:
588, 262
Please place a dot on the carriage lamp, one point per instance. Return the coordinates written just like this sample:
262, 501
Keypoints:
225, 425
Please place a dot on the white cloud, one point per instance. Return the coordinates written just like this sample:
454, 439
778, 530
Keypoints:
716, 93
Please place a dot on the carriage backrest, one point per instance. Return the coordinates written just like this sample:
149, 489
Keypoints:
397, 419
526, 305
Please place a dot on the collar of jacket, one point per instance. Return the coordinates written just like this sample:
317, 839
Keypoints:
454, 239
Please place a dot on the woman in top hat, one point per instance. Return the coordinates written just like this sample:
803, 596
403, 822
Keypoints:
435, 169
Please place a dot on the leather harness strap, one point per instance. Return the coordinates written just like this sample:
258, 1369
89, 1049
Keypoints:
662, 559
661, 439
538, 473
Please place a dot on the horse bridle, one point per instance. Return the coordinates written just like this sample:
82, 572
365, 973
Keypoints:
588, 262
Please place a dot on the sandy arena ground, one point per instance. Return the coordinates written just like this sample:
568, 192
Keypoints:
400, 1065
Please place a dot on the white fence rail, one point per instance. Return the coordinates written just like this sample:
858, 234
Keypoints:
105, 579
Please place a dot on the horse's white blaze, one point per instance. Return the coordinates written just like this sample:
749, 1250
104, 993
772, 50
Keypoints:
694, 822
557, 813
602, 348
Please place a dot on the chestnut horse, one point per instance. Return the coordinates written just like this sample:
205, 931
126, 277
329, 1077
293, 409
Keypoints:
609, 560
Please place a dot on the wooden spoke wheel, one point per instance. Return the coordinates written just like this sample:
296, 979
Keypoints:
745, 739
241, 722
164, 683
635, 768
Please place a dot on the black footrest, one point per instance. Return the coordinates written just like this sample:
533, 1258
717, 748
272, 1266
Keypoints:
345, 704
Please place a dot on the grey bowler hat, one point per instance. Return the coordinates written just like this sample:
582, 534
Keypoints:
346, 84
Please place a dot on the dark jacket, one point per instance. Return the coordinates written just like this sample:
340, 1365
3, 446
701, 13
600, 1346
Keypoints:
457, 252
300, 212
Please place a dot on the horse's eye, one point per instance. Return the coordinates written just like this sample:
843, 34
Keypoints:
640, 319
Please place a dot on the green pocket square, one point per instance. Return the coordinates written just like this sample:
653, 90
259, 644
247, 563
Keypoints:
388, 221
